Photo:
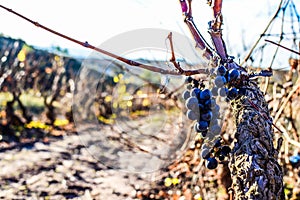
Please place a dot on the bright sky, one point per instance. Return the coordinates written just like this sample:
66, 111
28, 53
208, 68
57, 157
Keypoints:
96, 21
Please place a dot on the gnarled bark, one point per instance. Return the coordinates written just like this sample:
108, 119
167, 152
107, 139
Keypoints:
255, 171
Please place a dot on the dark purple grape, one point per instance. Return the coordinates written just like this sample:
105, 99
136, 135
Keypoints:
225, 150
208, 103
216, 115
220, 81
213, 103
234, 74
201, 106
211, 163
242, 91
189, 87
214, 91
189, 79
192, 103
221, 157
221, 70
232, 93
214, 121
195, 92
216, 108
185, 94
215, 129
204, 133
192, 115
196, 83
217, 143
205, 94
223, 91
205, 153
207, 116
201, 126
205, 146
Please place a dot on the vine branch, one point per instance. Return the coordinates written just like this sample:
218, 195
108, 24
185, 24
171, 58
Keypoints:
122, 59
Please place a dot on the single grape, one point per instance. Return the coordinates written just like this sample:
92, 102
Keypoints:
223, 91
205, 146
221, 157
207, 116
216, 115
205, 94
217, 143
201, 126
216, 108
208, 104
220, 81
214, 121
196, 83
221, 70
213, 103
191, 103
201, 106
189, 87
215, 129
204, 133
295, 161
214, 91
189, 79
185, 94
211, 163
234, 74
242, 91
195, 92
192, 115
232, 93
205, 153
225, 150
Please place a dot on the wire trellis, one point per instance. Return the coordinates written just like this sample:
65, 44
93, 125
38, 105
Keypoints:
284, 29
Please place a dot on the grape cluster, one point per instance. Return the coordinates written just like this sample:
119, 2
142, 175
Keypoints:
223, 77
202, 107
213, 151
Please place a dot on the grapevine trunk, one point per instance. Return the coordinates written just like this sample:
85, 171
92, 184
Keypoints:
255, 171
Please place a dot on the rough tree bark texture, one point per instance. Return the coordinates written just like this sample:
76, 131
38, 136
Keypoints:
254, 168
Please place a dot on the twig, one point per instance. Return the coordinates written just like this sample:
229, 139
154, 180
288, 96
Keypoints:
266, 85
173, 59
275, 104
291, 50
287, 137
295, 88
